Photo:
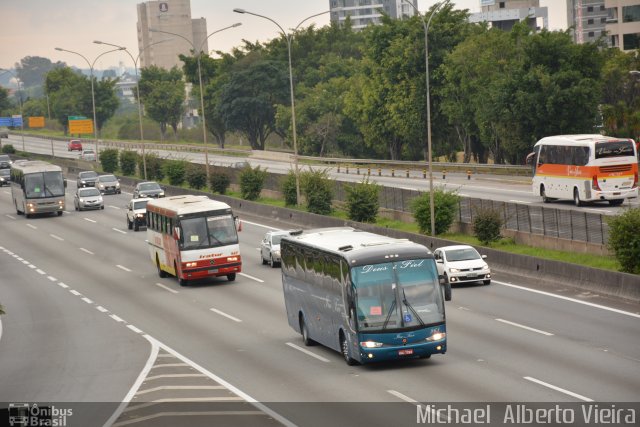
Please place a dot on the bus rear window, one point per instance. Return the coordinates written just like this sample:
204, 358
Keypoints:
614, 149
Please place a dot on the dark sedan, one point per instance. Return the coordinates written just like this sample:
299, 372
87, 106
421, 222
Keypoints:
148, 189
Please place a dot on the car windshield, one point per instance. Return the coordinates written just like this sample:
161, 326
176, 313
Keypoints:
275, 239
5, 172
149, 186
396, 295
141, 204
464, 254
108, 178
4, 158
87, 192
208, 232
44, 184
88, 152
89, 174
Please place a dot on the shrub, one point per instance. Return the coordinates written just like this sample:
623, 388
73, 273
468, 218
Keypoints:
154, 167
128, 160
109, 160
487, 224
288, 188
175, 171
219, 181
318, 190
624, 239
196, 176
445, 207
251, 182
363, 201
8, 149
1, 309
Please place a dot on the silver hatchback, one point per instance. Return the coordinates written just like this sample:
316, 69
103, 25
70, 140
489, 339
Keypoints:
88, 198
270, 247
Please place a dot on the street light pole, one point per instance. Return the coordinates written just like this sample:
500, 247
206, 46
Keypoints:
93, 96
425, 26
289, 38
199, 52
135, 64
18, 82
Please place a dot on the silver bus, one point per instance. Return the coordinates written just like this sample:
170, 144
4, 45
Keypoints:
367, 296
37, 187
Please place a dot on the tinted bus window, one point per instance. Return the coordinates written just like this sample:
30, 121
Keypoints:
614, 149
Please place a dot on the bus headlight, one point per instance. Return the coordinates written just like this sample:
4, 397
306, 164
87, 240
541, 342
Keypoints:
371, 344
438, 336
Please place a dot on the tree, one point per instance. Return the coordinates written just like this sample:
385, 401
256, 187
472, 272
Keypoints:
163, 94
620, 105
65, 96
251, 182
5, 103
445, 208
32, 70
363, 201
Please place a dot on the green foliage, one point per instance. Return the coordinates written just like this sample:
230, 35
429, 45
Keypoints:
109, 159
288, 188
196, 176
2, 310
251, 182
175, 171
318, 190
128, 160
487, 224
154, 166
624, 239
8, 149
219, 181
163, 94
362, 201
445, 209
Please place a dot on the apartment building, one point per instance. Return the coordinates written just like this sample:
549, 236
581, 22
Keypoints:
505, 14
369, 12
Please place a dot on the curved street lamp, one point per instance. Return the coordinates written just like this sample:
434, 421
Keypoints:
19, 83
135, 64
425, 26
93, 96
199, 52
289, 38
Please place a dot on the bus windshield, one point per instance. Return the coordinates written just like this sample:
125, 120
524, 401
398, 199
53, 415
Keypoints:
614, 149
44, 184
397, 295
207, 232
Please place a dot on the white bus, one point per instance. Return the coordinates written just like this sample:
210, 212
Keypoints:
37, 187
585, 168
193, 237
370, 297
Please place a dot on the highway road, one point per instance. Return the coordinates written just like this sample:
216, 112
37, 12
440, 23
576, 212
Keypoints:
514, 189
115, 329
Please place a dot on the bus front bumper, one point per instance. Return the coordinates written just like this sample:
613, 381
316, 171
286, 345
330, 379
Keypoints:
36, 208
220, 270
420, 350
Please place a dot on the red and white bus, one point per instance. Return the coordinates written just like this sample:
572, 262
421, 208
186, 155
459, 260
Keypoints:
193, 237
585, 168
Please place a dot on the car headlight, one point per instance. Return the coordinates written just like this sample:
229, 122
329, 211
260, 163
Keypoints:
83, 181
101, 185
161, 194
371, 344
454, 270
485, 266
139, 215
81, 200
437, 336
277, 253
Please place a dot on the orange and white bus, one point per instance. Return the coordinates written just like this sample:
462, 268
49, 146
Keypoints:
193, 237
585, 168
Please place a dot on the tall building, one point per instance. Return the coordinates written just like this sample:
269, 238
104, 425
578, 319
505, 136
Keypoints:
367, 12
623, 23
173, 16
505, 14
588, 18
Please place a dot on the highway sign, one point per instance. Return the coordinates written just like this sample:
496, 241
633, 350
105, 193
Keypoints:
80, 126
36, 122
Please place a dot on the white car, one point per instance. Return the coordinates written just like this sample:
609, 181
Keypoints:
88, 155
88, 198
270, 248
137, 213
462, 264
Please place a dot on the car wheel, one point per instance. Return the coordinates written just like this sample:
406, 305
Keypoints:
264, 261
129, 224
304, 330
76, 206
344, 346
487, 282
60, 213
136, 226
102, 207
231, 277
272, 263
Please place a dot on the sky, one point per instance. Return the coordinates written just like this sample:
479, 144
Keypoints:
37, 27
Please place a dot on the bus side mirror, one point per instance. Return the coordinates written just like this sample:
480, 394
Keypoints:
176, 233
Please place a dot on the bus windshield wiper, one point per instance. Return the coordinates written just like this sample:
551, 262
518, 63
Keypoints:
415, 313
386, 321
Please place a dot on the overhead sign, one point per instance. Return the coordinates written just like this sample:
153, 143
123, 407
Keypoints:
81, 126
36, 122
6, 121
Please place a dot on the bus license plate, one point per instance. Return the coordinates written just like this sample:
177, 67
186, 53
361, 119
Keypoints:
212, 271
406, 352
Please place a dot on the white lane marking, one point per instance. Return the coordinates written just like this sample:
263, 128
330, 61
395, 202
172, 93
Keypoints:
158, 377
167, 288
134, 329
520, 201
170, 365
40, 271
561, 390
24, 261
402, 396
119, 231
260, 225
116, 318
228, 316
76, 293
113, 207
32, 226
90, 220
32, 266
87, 251
525, 327
121, 267
53, 279
10, 216
87, 300
67, 212
101, 309
136, 385
57, 237
590, 304
305, 351
251, 277
62, 285
181, 387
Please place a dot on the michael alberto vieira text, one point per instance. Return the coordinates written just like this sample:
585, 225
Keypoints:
520, 413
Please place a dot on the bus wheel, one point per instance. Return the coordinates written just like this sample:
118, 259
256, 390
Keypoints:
305, 332
447, 291
231, 277
161, 272
576, 197
59, 213
344, 346
17, 210
616, 202
543, 194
